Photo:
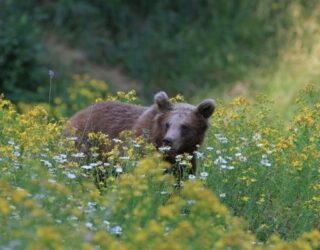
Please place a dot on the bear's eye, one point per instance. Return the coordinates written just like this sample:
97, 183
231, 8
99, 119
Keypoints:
167, 125
184, 127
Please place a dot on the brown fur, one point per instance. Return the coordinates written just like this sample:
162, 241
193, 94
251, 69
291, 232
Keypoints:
182, 124
111, 118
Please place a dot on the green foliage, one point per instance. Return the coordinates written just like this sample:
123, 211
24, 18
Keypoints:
263, 171
179, 45
22, 71
172, 45
80, 93
257, 185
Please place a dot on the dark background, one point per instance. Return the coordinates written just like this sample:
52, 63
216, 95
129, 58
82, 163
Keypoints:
182, 46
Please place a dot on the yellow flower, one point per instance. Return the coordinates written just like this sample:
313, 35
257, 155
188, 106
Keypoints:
184, 228
313, 237
48, 233
4, 207
76, 212
141, 236
316, 186
87, 246
129, 97
19, 195
297, 164
245, 199
306, 117
234, 116
236, 239
29, 203
240, 101
168, 211
154, 228
38, 212
177, 98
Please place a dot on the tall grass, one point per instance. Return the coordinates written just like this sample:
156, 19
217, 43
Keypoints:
257, 185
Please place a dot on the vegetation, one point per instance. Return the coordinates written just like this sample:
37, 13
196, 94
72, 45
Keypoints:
20, 53
211, 48
257, 182
257, 185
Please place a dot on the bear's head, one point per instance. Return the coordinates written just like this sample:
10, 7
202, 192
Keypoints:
181, 126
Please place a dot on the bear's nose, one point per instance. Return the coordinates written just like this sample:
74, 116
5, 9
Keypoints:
167, 141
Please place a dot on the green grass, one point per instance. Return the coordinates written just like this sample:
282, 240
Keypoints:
281, 77
257, 185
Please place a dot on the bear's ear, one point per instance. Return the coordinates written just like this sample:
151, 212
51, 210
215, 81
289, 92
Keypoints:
161, 99
206, 108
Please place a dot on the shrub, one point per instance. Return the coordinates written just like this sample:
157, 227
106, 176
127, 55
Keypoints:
20, 52
179, 45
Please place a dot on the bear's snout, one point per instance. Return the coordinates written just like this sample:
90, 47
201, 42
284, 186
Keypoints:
167, 141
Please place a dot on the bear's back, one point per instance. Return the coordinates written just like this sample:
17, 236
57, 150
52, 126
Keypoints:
111, 118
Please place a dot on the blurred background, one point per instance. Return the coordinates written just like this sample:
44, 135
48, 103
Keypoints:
198, 48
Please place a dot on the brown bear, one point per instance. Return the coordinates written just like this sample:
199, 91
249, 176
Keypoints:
181, 126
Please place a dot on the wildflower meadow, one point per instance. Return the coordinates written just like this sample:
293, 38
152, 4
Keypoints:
257, 184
